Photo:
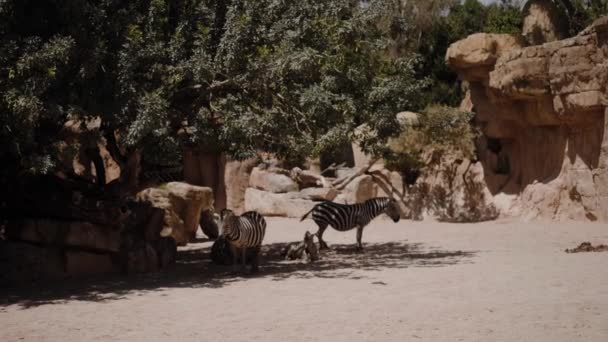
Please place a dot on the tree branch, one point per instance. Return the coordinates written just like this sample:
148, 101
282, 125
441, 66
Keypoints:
341, 183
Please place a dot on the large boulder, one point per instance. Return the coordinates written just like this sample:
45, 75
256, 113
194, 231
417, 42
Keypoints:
318, 194
183, 204
271, 204
270, 181
306, 178
358, 190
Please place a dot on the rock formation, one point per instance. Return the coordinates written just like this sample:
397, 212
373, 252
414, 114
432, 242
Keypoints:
55, 232
542, 112
183, 204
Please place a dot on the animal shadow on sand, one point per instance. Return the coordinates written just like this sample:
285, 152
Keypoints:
194, 269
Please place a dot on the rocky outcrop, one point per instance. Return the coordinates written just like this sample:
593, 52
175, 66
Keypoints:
274, 182
236, 176
182, 204
359, 190
271, 204
543, 22
318, 194
452, 190
542, 112
78, 236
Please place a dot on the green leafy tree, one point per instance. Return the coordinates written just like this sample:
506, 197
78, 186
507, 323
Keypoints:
504, 17
289, 77
581, 13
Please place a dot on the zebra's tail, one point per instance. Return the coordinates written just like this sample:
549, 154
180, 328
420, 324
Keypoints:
310, 211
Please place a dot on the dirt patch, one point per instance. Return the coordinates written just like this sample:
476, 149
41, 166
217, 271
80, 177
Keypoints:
587, 247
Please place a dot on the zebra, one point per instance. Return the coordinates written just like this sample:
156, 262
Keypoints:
242, 233
305, 249
344, 217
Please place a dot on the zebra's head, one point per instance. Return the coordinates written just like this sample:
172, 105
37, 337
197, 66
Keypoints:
310, 246
392, 210
226, 216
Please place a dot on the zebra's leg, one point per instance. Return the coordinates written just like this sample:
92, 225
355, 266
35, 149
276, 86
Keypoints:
319, 234
359, 235
256, 260
244, 260
234, 252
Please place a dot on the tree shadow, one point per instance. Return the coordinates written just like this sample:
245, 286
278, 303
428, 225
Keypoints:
194, 269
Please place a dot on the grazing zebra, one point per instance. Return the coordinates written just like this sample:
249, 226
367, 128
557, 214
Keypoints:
242, 233
343, 217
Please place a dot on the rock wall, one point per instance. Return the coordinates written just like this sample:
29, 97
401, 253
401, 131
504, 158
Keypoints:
542, 111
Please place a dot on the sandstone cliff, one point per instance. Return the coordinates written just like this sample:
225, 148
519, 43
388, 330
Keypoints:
542, 111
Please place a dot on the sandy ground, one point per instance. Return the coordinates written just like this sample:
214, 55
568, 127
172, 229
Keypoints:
416, 281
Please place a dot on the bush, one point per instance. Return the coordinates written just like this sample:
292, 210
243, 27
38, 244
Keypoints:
440, 130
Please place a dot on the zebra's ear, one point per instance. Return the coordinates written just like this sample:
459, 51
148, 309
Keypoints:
224, 213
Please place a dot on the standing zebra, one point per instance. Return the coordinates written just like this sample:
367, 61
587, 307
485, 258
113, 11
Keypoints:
243, 232
343, 217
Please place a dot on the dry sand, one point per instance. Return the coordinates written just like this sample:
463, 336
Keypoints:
415, 282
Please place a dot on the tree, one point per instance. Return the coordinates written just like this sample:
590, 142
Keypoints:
581, 13
504, 17
292, 78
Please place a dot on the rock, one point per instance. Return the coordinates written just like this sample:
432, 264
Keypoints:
480, 51
183, 204
208, 224
78, 133
236, 176
359, 190
271, 182
318, 194
454, 191
78, 263
141, 259
166, 250
543, 22
24, 262
543, 115
66, 233
271, 204
305, 178
408, 119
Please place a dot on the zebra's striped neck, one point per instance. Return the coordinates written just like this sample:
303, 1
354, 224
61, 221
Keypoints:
229, 230
378, 205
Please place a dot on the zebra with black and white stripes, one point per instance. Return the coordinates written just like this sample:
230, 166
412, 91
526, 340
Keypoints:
344, 217
242, 233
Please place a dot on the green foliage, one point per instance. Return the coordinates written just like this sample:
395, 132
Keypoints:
429, 27
504, 17
581, 13
293, 78
440, 130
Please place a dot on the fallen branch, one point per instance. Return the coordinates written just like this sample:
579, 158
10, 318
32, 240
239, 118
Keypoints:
333, 167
